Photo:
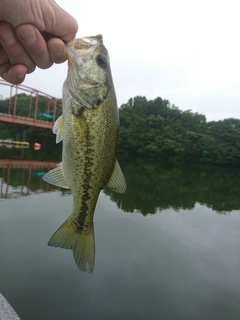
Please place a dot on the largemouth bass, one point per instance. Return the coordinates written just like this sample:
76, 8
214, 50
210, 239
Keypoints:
88, 128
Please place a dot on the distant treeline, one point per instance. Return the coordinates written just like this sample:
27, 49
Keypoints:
156, 129
159, 130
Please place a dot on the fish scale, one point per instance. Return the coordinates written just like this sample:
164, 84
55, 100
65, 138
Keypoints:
89, 129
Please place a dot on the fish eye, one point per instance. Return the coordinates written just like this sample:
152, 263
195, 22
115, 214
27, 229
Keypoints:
101, 60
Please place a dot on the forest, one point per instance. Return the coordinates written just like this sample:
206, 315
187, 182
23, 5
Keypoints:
155, 129
162, 131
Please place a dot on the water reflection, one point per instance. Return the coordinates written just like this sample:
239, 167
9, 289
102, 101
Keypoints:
23, 177
152, 187
171, 265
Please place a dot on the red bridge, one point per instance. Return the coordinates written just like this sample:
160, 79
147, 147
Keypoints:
28, 106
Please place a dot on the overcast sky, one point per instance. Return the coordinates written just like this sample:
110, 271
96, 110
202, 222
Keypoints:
187, 51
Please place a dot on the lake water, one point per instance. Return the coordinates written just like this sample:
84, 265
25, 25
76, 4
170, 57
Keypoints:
169, 248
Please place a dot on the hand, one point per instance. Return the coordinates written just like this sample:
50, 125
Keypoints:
32, 33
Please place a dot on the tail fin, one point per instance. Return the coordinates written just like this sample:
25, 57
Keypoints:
81, 242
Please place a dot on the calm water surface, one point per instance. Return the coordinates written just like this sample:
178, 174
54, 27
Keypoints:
167, 249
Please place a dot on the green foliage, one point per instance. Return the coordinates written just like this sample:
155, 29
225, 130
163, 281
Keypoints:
153, 129
159, 130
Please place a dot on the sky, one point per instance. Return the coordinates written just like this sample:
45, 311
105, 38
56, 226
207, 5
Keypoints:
187, 52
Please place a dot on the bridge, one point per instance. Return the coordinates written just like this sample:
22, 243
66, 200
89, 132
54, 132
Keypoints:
28, 106
26, 174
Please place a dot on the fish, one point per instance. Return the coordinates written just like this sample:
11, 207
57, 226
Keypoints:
88, 129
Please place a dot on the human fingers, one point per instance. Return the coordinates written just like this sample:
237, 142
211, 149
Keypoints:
35, 44
58, 22
13, 74
57, 50
45, 15
12, 50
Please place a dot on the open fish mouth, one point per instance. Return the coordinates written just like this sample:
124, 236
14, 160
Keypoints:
86, 42
94, 40
81, 48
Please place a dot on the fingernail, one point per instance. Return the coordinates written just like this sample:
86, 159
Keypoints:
27, 34
21, 75
56, 50
7, 36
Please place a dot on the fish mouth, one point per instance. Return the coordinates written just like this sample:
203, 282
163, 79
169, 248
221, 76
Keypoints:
94, 40
78, 52
85, 43
82, 47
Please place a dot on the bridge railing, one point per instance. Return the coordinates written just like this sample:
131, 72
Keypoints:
23, 177
23, 101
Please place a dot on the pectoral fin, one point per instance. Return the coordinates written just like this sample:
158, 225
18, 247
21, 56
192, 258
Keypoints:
117, 181
58, 129
56, 177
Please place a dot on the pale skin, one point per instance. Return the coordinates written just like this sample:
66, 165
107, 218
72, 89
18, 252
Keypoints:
32, 33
